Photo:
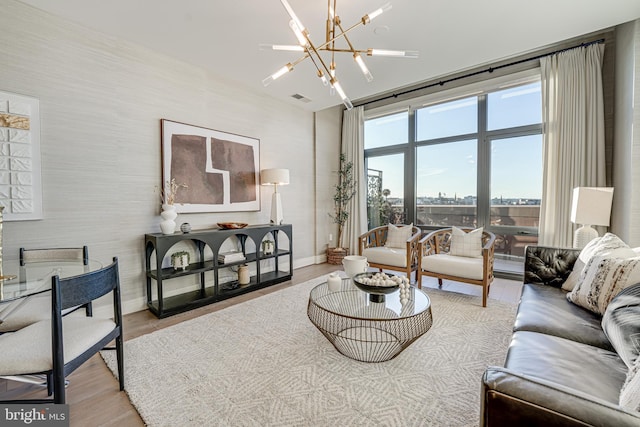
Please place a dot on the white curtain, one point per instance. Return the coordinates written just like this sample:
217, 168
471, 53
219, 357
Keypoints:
353, 149
573, 142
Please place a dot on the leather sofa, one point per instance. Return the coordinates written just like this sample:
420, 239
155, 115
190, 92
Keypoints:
561, 369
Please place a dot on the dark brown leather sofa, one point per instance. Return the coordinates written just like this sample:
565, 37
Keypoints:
561, 369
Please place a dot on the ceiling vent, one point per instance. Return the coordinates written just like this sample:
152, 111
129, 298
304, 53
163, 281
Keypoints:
301, 98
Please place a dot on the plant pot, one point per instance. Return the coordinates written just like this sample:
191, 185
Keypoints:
335, 255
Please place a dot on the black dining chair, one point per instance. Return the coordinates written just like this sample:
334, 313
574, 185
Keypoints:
56, 347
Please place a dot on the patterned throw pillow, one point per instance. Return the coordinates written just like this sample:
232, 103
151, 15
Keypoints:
602, 279
397, 236
466, 244
608, 245
621, 324
630, 393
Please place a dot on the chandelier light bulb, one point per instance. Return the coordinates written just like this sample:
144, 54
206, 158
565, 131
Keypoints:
372, 15
292, 15
397, 53
282, 71
302, 39
346, 101
286, 47
323, 78
363, 66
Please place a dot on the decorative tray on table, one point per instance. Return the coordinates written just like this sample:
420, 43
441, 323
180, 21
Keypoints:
232, 225
377, 283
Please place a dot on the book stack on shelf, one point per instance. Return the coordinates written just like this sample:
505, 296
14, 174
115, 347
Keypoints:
228, 257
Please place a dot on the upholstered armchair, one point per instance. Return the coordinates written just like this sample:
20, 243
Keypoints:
437, 260
392, 247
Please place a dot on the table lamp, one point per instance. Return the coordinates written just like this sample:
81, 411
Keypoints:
275, 177
590, 206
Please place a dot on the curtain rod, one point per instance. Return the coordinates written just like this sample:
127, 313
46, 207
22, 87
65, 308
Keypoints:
475, 73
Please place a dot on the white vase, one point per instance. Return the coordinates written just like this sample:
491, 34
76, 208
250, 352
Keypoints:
168, 224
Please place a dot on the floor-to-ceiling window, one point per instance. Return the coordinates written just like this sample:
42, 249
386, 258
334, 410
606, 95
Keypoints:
471, 158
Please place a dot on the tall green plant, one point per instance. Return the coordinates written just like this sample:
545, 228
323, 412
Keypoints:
345, 190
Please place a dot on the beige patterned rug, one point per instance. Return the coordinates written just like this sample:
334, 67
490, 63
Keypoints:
262, 363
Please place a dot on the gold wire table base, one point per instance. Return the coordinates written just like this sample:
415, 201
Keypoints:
368, 329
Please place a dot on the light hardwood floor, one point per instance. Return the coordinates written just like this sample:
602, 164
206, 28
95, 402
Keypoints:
93, 395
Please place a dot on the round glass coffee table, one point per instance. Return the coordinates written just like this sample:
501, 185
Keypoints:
369, 327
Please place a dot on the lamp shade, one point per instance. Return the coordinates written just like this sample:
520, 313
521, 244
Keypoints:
591, 205
274, 176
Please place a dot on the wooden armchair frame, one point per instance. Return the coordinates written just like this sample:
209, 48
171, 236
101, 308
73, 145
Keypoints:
377, 237
439, 242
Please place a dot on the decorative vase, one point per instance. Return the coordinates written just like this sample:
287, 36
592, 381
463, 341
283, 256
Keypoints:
168, 224
185, 227
334, 282
243, 275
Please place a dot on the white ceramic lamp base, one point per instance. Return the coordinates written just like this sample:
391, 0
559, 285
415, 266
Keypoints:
276, 209
583, 235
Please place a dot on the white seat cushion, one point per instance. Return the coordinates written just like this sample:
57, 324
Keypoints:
29, 349
384, 255
466, 267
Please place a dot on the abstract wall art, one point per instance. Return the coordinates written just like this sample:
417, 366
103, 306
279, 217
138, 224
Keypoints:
20, 174
220, 170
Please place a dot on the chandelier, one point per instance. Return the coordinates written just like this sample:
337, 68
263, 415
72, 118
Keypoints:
334, 32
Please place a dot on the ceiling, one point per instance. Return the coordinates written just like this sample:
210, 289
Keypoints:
450, 35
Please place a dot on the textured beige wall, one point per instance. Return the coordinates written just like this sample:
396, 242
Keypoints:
101, 101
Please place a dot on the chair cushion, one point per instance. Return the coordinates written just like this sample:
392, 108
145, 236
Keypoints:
396, 257
466, 244
469, 268
29, 349
397, 235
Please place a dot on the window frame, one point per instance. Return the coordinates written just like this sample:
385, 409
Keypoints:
484, 139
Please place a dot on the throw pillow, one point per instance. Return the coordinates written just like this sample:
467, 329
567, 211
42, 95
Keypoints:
602, 279
466, 244
607, 245
621, 324
630, 393
397, 236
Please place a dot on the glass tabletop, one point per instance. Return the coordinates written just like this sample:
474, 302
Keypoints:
352, 302
19, 281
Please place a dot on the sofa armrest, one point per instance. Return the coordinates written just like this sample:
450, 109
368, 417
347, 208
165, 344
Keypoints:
512, 399
548, 266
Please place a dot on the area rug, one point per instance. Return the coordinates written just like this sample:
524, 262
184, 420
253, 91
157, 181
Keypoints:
262, 363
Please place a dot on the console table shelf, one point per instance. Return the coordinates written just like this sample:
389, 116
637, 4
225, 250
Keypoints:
215, 290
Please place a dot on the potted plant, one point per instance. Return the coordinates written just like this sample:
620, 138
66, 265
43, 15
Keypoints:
345, 189
180, 260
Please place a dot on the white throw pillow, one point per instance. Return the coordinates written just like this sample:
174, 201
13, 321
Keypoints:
602, 279
466, 244
630, 393
608, 245
397, 235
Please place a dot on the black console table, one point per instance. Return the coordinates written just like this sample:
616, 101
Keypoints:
213, 291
